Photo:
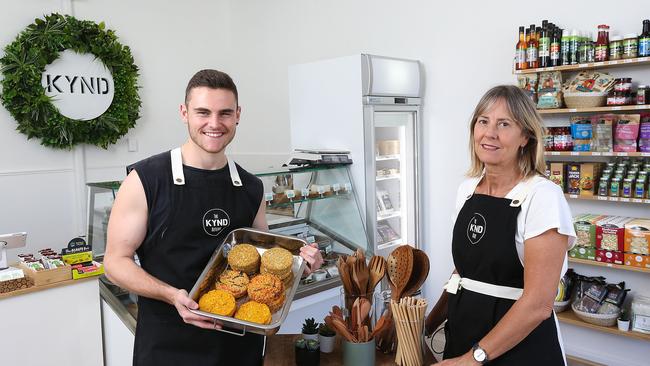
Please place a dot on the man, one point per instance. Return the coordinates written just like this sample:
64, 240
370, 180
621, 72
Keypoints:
174, 209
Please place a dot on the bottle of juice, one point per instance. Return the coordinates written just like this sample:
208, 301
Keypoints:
520, 55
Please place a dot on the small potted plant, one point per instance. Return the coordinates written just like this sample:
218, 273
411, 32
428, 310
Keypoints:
326, 338
310, 329
623, 321
307, 352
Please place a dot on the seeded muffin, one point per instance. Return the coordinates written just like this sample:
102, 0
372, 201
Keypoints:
277, 261
218, 302
245, 258
275, 304
234, 282
266, 289
254, 312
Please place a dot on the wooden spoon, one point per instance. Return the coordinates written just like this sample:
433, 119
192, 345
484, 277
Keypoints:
360, 273
379, 326
343, 330
419, 273
400, 266
364, 309
377, 270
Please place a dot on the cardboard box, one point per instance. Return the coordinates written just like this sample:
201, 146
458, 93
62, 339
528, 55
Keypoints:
637, 237
583, 253
556, 174
573, 178
585, 227
589, 175
610, 233
47, 276
609, 256
636, 260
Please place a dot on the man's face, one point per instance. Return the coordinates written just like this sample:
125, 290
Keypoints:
211, 116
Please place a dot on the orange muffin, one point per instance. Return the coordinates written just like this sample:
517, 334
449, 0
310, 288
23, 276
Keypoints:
234, 282
218, 302
254, 312
275, 304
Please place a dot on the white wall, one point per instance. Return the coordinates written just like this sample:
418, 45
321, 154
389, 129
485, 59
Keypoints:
465, 46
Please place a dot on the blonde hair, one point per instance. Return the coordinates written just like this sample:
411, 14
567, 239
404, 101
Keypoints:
522, 109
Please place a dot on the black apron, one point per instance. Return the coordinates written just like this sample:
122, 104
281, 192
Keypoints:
193, 230
483, 248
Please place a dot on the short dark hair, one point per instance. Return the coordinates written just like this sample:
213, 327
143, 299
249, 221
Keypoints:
213, 79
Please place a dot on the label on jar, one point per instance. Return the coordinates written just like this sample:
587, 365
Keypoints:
555, 51
630, 48
601, 53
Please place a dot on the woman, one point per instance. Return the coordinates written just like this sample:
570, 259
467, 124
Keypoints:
513, 228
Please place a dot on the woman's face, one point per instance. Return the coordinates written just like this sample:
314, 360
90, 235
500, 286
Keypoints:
497, 137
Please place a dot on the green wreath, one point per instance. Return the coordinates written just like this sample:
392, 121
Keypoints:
24, 97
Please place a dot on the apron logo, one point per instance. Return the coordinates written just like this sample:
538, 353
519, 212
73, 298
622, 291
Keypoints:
215, 220
476, 228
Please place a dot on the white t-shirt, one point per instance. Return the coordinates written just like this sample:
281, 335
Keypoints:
544, 208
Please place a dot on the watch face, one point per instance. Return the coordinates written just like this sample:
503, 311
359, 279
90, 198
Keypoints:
479, 355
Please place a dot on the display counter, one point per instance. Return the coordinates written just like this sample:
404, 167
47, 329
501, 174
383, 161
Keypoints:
54, 324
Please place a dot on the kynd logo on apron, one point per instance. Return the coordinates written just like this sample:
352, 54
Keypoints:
476, 228
215, 220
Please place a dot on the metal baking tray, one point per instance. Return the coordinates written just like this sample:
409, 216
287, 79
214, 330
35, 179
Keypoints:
262, 240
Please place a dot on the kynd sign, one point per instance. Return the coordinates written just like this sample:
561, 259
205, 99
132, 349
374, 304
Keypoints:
79, 85
69, 81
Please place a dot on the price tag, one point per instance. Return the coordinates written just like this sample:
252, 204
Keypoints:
603, 198
629, 61
614, 199
574, 196
573, 110
321, 189
575, 153
555, 153
645, 154
597, 64
621, 154
616, 108
637, 200
290, 193
336, 187
348, 187
646, 201
625, 200
268, 197
595, 154
304, 192
550, 68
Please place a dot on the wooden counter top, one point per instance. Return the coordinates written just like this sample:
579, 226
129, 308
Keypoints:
45, 287
280, 352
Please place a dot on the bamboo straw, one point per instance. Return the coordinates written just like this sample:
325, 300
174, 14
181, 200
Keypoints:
403, 339
409, 328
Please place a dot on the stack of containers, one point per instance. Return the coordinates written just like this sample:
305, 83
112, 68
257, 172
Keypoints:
610, 239
585, 245
637, 243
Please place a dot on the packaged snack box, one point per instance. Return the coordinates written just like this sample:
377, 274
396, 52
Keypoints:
583, 253
610, 233
636, 260
585, 228
589, 174
637, 237
609, 256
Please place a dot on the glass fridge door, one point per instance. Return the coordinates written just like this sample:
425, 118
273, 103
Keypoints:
392, 195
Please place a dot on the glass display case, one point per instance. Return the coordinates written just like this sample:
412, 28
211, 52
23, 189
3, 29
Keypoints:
100, 201
320, 205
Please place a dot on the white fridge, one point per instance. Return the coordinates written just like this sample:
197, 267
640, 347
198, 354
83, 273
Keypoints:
371, 106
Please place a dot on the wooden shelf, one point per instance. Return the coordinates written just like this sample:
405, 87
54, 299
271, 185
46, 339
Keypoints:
616, 108
596, 153
610, 265
607, 199
570, 317
590, 65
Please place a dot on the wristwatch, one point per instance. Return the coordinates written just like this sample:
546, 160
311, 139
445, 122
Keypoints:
479, 354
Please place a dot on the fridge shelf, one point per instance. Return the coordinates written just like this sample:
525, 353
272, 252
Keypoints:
397, 241
388, 215
387, 157
388, 177
300, 200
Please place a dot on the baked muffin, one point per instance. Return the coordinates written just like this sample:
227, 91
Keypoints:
254, 312
234, 282
267, 289
218, 302
275, 304
277, 261
245, 258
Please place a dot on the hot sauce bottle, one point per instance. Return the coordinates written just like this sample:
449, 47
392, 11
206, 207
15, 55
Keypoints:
602, 43
520, 56
531, 56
